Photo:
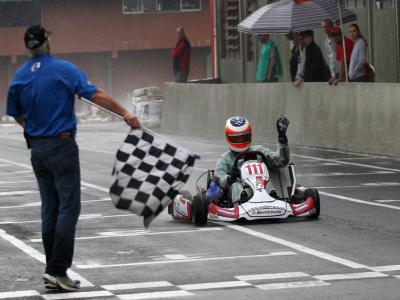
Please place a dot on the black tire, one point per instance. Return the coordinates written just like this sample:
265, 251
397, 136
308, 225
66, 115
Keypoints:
199, 210
313, 193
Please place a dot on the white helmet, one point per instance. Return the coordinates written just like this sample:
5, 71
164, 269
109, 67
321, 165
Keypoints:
238, 134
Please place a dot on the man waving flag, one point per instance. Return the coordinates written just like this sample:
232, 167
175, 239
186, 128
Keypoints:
148, 173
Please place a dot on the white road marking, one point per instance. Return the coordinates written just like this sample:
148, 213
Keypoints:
155, 295
16, 193
291, 285
78, 295
298, 247
99, 266
359, 201
350, 276
37, 204
103, 235
86, 184
19, 294
386, 268
97, 151
16, 172
339, 187
213, 285
387, 201
16, 182
38, 256
271, 276
139, 285
94, 217
176, 256
348, 163
374, 184
31, 204
316, 165
344, 174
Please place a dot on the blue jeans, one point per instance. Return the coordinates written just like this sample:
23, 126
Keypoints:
55, 162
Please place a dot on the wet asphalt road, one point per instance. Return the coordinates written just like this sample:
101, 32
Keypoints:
351, 252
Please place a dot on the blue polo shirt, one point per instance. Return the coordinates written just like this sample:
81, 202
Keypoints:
43, 92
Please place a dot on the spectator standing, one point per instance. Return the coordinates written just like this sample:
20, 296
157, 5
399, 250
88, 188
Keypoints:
330, 48
181, 56
41, 99
293, 38
315, 67
358, 68
269, 64
343, 54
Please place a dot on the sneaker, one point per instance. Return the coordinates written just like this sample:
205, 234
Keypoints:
48, 285
61, 282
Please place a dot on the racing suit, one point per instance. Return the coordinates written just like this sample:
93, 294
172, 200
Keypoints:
226, 161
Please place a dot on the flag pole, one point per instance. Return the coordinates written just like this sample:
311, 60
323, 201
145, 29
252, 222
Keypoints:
119, 117
343, 42
102, 108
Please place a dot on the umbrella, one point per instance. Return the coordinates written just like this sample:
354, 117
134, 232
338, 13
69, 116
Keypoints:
294, 15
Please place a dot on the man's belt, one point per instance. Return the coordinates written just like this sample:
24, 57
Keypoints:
62, 135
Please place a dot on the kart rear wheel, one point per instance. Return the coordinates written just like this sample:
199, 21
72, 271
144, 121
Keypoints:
199, 210
313, 193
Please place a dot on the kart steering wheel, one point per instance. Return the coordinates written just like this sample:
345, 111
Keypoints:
247, 156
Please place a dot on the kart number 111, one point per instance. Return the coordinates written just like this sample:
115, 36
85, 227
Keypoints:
255, 169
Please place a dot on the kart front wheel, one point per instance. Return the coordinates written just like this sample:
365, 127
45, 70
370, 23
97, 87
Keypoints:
200, 210
313, 193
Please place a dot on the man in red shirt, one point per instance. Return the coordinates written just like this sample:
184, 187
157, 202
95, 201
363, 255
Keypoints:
340, 54
181, 55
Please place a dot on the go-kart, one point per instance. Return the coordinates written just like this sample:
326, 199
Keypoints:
266, 195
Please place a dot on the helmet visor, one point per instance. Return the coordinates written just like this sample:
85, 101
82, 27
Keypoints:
239, 138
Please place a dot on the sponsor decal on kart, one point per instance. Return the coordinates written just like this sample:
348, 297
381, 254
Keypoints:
181, 207
266, 210
223, 212
303, 207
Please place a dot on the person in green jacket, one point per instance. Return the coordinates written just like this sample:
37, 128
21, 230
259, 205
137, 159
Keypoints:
238, 136
269, 62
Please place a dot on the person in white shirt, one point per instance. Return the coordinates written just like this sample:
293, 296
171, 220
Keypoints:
358, 60
330, 48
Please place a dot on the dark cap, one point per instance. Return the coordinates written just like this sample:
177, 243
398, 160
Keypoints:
35, 36
307, 33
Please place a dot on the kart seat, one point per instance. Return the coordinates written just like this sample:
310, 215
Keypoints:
284, 181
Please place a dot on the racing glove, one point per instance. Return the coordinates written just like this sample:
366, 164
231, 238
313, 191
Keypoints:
214, 192
281, 125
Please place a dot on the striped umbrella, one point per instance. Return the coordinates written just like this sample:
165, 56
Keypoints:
294, 15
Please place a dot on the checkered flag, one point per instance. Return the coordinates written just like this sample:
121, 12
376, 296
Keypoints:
148, 173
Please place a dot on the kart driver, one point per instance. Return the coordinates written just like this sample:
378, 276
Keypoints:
238, 137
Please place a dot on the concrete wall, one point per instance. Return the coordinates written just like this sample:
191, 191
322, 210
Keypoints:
357, 117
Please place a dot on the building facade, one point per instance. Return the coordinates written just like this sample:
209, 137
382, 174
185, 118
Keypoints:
236, 53
120, 44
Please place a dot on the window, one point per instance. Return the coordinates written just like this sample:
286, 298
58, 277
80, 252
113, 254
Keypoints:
384, 4
141, 6
191, 5
133, 6
229, 34
250, 7
20, 13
